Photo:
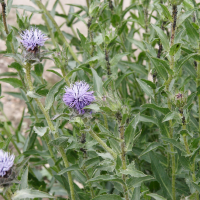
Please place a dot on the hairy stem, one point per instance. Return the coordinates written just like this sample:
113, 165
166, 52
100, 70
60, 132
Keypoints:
4, 16
173, 28
42, 7
123, 158
52, 128
103, 144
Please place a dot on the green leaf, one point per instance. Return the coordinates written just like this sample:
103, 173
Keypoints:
183, 17
175, 143
145, 87
156, 196
146, 118
98, 84
117, 58
170, 116
192, 34
166, 12
8, 7
137, 181
108, 197
197, 187
174, 49
138, 44
136, 194
52, 92
33, 94
121, 78
29, 193
150, 147
40, 130
16, 66
130, 132
55, 72
27, 8
183, 60
106, 178
162, 36
155, 107
24, 179
138, 68
59, 142
69, 169
16, 83
161, 175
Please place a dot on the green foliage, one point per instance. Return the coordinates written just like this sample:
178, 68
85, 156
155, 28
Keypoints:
139, 140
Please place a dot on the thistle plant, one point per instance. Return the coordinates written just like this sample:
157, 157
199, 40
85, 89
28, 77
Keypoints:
120, 116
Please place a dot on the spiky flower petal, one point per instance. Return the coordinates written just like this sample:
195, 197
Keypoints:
6, 162
77, 96
32, 39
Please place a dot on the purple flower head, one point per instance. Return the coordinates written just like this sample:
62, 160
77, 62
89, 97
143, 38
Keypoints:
6, 162
77, 96
32, 39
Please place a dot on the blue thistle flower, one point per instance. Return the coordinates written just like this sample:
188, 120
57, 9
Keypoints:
6, 162
77, 96
33, 39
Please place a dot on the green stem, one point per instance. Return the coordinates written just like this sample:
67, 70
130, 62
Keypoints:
123, 158
52, 128
88, 3
173, 28
42, 7
90, 186
9, 194
73, 31
103, 144
105, 120
49, 29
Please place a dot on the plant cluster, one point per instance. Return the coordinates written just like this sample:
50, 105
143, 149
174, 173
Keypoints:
123, 121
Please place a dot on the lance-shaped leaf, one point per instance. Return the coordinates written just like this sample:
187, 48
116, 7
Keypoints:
29, 193
161, 175
108, 197
156, 196
162, 36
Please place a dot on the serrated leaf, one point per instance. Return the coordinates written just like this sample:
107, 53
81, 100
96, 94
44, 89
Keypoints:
52, 92
16, 83
29, 193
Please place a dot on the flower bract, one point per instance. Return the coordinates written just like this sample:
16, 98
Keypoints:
32, 39
77, 96
6, 162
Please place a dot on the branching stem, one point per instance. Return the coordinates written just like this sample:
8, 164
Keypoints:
52, 128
